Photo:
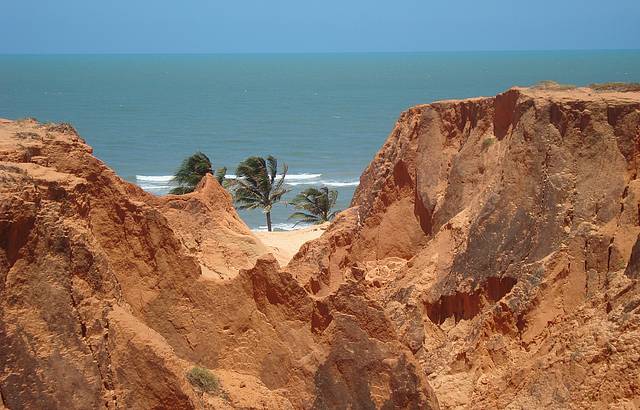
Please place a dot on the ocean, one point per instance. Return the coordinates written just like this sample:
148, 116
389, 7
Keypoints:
324, 115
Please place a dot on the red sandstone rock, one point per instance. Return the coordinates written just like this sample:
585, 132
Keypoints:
500, 235
194, 216
108, 296
490, 260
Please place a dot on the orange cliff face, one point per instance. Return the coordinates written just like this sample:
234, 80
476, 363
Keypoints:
109, 296
194, 217
490, 259
501, 236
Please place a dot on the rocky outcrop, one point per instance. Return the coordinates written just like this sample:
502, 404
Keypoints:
490, 259
500, 236
109, 296
194, 216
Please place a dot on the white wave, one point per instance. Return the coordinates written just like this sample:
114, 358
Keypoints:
156, 187
284, 226
288, 177
154, 178
163, 183
301, 176
327, 183
338, 183
167, 178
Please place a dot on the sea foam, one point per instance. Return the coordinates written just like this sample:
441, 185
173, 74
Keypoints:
154, 178
327, 183
288, 177
282, 227
162, 184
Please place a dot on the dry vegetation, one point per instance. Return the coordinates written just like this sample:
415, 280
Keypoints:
552, 85
612, 86
203, 380
624, 87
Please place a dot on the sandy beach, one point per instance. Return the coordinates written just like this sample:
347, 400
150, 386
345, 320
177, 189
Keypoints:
285, 244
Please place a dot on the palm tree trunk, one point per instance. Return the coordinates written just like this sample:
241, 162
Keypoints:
269, 221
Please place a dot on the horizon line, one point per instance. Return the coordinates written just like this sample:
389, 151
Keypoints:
74, 53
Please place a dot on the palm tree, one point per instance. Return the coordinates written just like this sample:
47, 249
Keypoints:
191, 172
257, 184
316, 204
221, 176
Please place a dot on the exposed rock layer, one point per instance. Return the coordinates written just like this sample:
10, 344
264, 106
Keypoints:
108, 296
208, 226
501, 235
491, 252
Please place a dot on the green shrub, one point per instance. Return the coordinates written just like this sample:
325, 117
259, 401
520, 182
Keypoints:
63, 128
489, 141
203, 380
27, 135
26, 119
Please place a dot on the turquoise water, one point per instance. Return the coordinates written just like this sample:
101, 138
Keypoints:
325, 115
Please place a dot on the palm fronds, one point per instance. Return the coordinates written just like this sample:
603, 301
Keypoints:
258, 185
181, 190
190, 173
315, 205
221, 175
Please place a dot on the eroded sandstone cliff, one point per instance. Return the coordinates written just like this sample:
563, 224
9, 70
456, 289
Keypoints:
501, 236
109, 296
490, 259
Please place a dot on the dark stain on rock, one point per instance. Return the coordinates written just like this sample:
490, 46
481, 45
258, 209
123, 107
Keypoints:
503, 114
465, 306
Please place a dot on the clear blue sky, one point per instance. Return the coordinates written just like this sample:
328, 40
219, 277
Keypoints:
209, 26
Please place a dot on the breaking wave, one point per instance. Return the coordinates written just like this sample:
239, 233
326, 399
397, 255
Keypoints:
327, 183
281, 227
154, 178
159, 184
289, 177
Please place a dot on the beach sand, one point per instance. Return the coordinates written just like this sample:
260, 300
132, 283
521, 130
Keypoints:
283, 245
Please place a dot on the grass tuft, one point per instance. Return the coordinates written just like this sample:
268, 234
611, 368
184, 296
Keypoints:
63, 128
489, 141
27, 135
552, 85
26, 120
203, 380
604, 87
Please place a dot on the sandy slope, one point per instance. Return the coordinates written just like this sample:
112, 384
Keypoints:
283, 245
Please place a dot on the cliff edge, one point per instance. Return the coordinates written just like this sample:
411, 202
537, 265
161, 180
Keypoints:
501, 236
110, 297
490, 259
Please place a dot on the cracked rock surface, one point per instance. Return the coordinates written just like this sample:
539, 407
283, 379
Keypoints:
501, 236
109, 296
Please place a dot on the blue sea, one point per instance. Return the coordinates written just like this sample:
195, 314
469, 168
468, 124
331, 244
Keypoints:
325, 115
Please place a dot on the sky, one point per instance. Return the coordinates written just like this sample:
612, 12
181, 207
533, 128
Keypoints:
266, 26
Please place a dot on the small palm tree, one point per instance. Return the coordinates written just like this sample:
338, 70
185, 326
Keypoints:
257, 184
316, 204
191, 172
221, 176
